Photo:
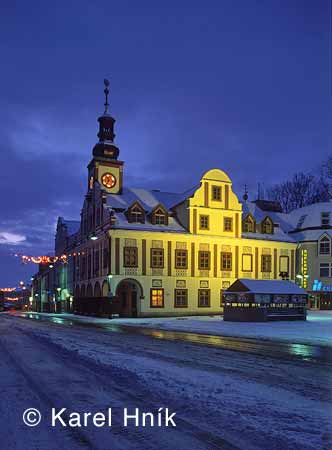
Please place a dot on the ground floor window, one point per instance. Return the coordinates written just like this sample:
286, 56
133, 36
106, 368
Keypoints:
157, 298
266, 263
181, 298
203, 298
324, 270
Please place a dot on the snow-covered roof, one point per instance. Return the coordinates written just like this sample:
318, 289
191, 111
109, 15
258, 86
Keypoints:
302, 219
266, 287
149, 199
309, 216
121, 222
310, 235
278, 235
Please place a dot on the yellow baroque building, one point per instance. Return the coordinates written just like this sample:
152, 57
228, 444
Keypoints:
138, 252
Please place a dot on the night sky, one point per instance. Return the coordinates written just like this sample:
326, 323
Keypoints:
240, 85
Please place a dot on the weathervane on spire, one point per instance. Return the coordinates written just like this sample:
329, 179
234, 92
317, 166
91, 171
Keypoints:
245, 195
106, 91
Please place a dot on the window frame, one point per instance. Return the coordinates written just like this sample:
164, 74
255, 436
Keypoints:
266, 263
152, 256
246, 221
131, 213
176, 291
203, 254
328, 267
214, 189
251, 262
177, 251
227, 254
201, 291
159, 211
204, 217
263, 225
162, 297
326, 239
281, 257
230, 220
126, 263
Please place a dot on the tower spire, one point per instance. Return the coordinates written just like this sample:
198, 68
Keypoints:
106, 92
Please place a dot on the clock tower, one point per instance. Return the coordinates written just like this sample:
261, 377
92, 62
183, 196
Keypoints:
105, 168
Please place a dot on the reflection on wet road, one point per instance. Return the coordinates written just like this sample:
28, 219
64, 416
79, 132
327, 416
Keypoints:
273, 349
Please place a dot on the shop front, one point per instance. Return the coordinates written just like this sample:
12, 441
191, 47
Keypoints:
320, 297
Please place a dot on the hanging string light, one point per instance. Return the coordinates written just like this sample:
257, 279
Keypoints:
46, 259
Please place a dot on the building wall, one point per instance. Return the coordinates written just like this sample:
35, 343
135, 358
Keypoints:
170, 278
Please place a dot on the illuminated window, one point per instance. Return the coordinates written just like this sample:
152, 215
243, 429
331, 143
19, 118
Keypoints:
203, 222
204, 260
249, 225
157, 298
284, 264
157, 258
228, 224
130, 258
226, 261
266, 263
246, 262
180, 298
203, 298
216, 193
267, 226
324, 246
181, 259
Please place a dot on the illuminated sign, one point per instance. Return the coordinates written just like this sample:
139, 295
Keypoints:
304, 267
320, 286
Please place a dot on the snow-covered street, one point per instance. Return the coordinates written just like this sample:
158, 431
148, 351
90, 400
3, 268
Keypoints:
223, 399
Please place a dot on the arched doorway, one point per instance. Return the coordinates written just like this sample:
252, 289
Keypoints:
97, 291
89, 291
106, 289
128, 292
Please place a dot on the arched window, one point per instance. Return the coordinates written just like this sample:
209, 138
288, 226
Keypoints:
249, 224
136, 214
159, 216
267, 226
324, 246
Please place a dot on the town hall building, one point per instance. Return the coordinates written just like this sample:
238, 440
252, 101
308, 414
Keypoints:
138, 252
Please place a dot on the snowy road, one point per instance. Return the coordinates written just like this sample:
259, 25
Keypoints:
223, 399
262, 347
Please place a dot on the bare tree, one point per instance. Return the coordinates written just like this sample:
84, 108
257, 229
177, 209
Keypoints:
302, 190
326, 174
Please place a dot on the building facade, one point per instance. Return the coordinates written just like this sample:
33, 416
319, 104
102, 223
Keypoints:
138, 252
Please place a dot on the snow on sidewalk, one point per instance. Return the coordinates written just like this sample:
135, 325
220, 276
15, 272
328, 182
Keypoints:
316, 330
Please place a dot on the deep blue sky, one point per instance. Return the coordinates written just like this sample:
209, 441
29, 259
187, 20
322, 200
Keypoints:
241, 85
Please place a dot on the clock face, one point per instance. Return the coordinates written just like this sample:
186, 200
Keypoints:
108, 180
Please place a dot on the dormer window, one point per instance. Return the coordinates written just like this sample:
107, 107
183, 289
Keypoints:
325, 219
324, 246
267, 226
136, 214
159, 216
249, 224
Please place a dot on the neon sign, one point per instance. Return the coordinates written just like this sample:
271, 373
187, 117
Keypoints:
320, 286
